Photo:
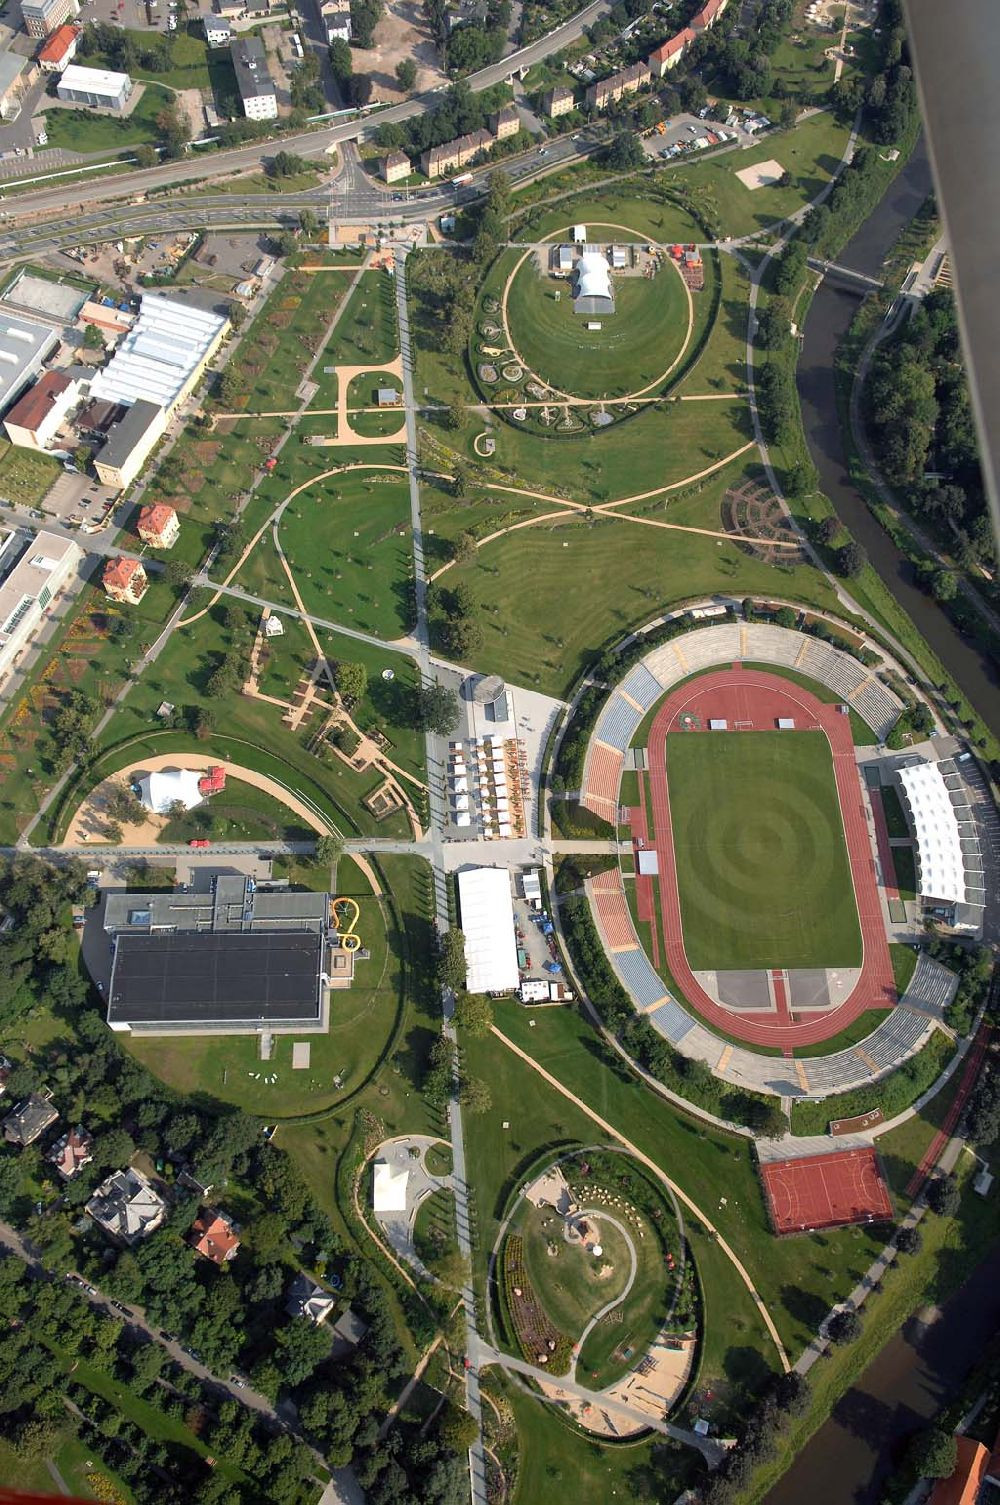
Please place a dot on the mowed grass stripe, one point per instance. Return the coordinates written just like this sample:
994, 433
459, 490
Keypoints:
762, 862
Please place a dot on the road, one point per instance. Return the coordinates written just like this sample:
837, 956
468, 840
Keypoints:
314, 143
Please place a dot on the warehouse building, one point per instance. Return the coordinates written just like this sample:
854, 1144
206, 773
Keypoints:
163, 356
24, 345
238, 959
129, 442
98, 87
27, 593
486, 915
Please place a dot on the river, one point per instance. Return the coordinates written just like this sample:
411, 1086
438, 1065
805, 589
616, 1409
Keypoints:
829, 317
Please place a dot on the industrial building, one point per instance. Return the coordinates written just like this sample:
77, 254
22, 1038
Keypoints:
24, 345
28, 591
129, 442
237, 959
486, 915
98, 87
163, 356
260, 102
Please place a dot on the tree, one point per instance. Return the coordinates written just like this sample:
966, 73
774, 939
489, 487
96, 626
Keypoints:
456, 1428
451, 963
359, 90
287, 243
944, 1196
851, 559
93, 338
625, 153
465, 546
844, 1326
237, 315
81, 458
437, 709
341, 60
146, 155
329, 849
309, 225
230, 386
351, 680
944, 585
175, 130
909, 1241
177, 573
287, 164
406, 74
827, 529
773, 324
474, 1012
933, 1454
475, 1095
802, 479
298, 1348
790, 268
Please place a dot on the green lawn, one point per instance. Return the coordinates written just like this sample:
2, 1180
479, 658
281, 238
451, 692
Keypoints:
26, 477
904, 962
83, 131
761, 859
362, 1019
895, 816
643, 208
905, 863
286, 334
240, 813
366, 331
632, 348
721, 365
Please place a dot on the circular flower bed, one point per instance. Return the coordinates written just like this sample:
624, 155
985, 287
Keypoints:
488, 373
513, 372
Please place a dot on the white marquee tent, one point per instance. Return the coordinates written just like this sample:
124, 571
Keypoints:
941, 868
487, 920
389, 1187
159, 792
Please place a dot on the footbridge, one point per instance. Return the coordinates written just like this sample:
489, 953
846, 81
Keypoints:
846, 277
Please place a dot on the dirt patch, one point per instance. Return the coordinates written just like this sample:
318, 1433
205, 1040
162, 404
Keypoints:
761, 175
207, 451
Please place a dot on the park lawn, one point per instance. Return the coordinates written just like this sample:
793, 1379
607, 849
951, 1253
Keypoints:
799, 1279
568, 1283
366, 333
596, 581
189, 58
761, 858
376, 423
905, 863
638, 207
362, 1019
26, 477
736, 1355
630, 350
284, 337
348, 543
903, 1148
721, 366
904, 963
662, 445
240, 813
84, 131
643, 1313
895, 816
811, 153
446, 516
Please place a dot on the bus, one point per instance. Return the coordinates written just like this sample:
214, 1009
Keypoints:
461, 180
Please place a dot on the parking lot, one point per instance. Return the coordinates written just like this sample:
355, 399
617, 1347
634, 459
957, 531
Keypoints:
682, 131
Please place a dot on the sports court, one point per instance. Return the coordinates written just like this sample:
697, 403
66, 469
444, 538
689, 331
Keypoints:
825, 1191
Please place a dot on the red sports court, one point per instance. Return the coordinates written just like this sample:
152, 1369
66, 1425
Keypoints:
825, 1191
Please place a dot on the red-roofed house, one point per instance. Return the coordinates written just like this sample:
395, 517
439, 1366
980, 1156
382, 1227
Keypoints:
214, 1235
670, 54
125, 580
71, 1153
962, 1488
35, 418
59, 49
158, 526
708, 15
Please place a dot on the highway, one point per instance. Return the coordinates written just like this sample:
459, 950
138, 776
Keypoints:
312, 143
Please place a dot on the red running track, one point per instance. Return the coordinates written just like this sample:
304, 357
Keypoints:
971, 1070
755, 699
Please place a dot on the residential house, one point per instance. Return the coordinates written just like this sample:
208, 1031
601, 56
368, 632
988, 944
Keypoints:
36, 417
127, 1207
609, 90
335, 19
158, 526
125, 580
71, 1153
453, 154
260, 101
218, 31
505, 123
214, 1236
710, 12
557, 101
348, 1330
29, 1120
970, 1473
306, 1299
396, 165
59, 50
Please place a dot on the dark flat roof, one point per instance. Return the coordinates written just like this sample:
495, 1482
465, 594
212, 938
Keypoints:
205, 977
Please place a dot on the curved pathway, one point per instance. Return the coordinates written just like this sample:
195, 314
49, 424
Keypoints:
672, 1187
875, 987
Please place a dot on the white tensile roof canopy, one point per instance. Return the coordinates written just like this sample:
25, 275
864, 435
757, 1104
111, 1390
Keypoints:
487, 920
939, 845
390, 1187
159, 792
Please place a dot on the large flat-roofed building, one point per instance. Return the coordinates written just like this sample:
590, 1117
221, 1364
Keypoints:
486, 914
94, 86
260, 102
42, 17
129, 443
163, 356
24, 345
27, 592
17, 74
238, 959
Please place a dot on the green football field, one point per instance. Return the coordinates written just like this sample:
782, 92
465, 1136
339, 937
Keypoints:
761, 858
